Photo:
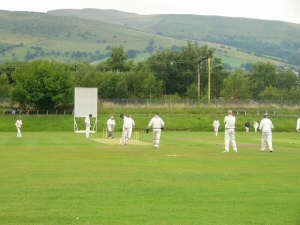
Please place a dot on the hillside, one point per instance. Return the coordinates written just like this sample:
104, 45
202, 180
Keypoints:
89, 34
269, 39
27, 36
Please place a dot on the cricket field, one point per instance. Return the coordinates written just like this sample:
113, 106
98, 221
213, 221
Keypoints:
57, 178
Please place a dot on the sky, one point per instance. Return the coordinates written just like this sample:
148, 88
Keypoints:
281, 10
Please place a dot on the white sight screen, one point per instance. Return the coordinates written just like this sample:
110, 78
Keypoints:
86, 102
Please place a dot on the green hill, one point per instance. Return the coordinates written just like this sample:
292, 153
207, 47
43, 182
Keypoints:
88, 34
27, 36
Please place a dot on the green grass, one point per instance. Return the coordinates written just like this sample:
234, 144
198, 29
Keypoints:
174, 122
62, 178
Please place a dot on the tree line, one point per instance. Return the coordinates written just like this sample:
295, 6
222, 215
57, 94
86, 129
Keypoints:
43, 84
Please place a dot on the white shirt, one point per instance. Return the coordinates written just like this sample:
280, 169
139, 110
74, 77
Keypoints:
298, 124
229, 122
256, 125
87, 121
111, 122
216, 123
266, 125
131, 122
126, 122
18, 123
156, 122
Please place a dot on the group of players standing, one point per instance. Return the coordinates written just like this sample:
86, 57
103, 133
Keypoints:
265, 127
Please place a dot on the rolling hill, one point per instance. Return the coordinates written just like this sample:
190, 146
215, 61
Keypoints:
88, 34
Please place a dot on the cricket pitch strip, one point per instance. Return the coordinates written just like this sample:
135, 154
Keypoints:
116, 141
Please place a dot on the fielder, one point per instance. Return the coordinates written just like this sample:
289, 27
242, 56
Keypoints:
216, 125
298, 124
229, 121
247, 126
88, 125
19, 124
158, 125
266, 127
255, 125
111, 123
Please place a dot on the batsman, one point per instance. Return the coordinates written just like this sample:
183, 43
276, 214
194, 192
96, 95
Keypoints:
158, 125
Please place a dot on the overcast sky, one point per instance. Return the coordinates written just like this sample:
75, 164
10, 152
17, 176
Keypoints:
282, 10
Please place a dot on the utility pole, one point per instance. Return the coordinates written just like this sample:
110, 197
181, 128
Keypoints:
199, 81
199, 63
208, 62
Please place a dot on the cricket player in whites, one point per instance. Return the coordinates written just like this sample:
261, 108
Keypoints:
88, 125
18, 124
158, 125
216, 125
266, 127
298, 124
111, 123
124, 139
256, 125
229, 121
131, 125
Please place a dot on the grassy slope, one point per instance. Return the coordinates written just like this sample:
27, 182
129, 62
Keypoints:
196, 27
50, 33
62, 178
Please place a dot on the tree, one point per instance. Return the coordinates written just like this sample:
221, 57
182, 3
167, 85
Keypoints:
151, 87
151, 47
86, 75
178, 70
117, 61
192, 91
5, 87
237, 85
135, 80
294, 93
165, 68
264, 75
271, 93
218, 75
247, 66
132, 53
286, 79
113, 85
42, 85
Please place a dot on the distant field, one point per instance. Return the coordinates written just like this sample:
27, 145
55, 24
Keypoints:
63, 178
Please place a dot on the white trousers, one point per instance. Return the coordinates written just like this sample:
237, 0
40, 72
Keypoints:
124, 139
230, 137
216, 130
19, 134
266, 137
129, 132
87, 131
156, 137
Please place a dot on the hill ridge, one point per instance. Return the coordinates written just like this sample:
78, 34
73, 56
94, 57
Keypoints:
71, 30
